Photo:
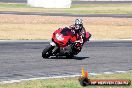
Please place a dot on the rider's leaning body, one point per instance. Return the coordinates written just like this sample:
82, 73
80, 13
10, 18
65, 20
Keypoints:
78, 30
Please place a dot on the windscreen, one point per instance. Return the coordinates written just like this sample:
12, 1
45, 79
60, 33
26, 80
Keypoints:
66, 31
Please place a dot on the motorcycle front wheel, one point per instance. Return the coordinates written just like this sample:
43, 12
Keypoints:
47, 51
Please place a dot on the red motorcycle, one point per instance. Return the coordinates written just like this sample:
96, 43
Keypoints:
64, 43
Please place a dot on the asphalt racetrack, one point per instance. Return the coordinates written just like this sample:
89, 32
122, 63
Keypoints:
73, 2
67, 14
22, 59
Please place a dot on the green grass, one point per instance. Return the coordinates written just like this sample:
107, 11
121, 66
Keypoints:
13, 5
75, 9
67, 82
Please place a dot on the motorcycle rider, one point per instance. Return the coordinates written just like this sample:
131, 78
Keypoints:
78, 30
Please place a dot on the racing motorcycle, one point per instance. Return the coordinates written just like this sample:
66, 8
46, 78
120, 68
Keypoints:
64, 43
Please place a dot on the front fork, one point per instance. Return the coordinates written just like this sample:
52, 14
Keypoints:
52, 44
54, 51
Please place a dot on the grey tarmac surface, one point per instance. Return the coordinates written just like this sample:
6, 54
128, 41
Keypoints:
73, 2
67, 14
101, 2
13, 1
22, 60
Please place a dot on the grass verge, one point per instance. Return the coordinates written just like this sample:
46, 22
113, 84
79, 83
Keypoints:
75, 9
68, 82
13, 5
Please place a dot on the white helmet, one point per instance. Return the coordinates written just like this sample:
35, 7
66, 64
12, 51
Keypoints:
78, 24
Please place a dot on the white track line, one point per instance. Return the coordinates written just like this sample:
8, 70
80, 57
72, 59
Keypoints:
108, 72
42, 78
121, 71
94, 74
39, 78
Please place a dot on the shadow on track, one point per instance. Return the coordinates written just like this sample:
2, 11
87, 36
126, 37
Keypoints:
63, 57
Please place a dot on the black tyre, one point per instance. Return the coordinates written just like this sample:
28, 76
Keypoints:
69, 56
47, 51
84, 82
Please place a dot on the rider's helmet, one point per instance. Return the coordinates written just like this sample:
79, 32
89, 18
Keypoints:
78, 24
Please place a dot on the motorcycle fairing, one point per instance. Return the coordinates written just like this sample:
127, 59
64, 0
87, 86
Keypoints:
66, 35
